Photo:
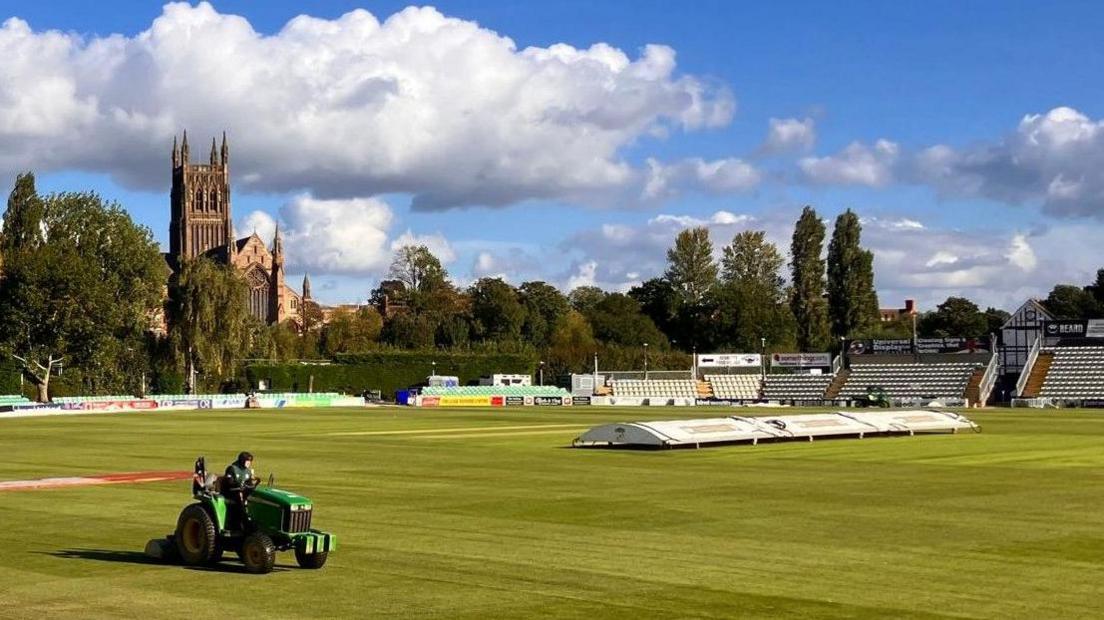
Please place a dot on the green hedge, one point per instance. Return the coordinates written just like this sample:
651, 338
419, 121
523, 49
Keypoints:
386, 371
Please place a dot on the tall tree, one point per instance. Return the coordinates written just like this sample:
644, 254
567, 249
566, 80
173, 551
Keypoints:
995, 318
750, 303
660, 302
496, 311
208, 318
1068, 301
617, 319
352, 331
807, 302
417, 268
1096, 289
23, 219
81, 282
439, 312
690, 266
584, 298
852, 301
957, 317
544, 305
572, 344
750, 260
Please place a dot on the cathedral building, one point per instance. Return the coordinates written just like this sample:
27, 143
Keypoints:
201, 225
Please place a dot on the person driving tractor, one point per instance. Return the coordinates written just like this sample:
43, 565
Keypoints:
239, 479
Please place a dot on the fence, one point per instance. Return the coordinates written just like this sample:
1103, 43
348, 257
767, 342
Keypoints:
988, 380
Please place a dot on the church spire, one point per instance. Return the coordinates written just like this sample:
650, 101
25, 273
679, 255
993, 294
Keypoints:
225, 150
184, 149
278, 247
306, 286
214, 153
175, 153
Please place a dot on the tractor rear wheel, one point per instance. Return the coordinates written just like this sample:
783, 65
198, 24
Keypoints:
258, 553
311, 560
196, 538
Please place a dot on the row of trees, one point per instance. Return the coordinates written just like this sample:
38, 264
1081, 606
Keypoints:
740, 302
81, 284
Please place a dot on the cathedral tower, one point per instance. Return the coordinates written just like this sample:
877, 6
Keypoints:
200, 203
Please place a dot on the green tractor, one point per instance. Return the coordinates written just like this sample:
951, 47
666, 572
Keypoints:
270, 520
875, 396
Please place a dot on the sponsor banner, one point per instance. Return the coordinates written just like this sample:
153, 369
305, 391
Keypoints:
185, 403
429, 401
36, 411
550, 401
952, 345
515, 401
468, 401
801, 360
580, 400
229, 402
112, 405
37, 406
730, 360
904, 346
880, 347
1092, 328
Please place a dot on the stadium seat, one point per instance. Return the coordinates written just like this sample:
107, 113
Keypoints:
1076, 373
736, 387
664, 388
910, 379
785, 387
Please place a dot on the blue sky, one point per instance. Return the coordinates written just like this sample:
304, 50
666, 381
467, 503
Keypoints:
967, 135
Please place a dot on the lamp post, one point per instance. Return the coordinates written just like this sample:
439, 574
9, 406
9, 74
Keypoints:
434, 363
595, 380
645, 361
542, 373
694, 360
763, 356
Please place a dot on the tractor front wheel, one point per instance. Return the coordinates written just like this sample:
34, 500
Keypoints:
311, 560
196, 538
258, 553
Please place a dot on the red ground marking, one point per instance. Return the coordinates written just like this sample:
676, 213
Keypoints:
80, 481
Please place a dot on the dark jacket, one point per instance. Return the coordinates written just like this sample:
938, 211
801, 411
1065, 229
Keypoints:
238, 477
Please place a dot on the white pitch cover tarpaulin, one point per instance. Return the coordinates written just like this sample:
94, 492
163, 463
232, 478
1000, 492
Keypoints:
735, 429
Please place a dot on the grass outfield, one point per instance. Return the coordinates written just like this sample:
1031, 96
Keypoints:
486, 514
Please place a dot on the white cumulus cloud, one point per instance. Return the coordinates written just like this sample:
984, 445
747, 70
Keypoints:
1052, 160
721, 176
420, 103
857, 164
788, 135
